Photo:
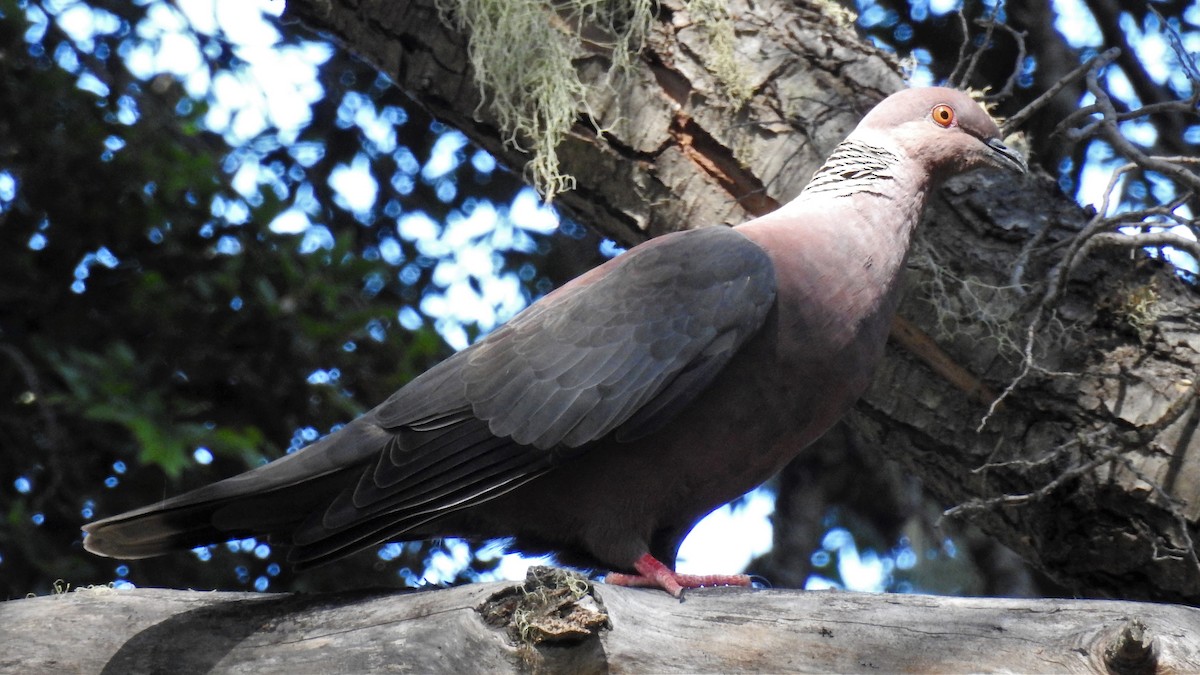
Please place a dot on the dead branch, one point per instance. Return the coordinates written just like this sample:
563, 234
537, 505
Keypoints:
510, 627
1098, 61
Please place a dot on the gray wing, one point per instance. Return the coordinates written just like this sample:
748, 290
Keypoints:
620, 350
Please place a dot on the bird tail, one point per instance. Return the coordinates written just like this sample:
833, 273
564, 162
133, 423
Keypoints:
269, 501
192, 520
151, 531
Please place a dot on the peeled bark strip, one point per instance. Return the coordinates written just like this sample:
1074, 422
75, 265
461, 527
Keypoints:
1089, 469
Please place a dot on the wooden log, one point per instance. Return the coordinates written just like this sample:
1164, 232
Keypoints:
558, 622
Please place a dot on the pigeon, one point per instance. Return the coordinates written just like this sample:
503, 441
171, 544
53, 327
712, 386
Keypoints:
607, 418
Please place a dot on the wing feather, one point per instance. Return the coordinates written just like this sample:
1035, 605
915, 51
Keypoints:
668, 300
624, 348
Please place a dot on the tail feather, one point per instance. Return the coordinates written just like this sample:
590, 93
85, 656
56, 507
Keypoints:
156, 533
162, 528
268, 501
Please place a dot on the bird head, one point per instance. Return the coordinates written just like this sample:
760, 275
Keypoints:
943, 129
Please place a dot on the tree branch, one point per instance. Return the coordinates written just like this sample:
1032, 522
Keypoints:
553, 623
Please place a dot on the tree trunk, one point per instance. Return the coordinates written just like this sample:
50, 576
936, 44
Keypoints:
555, 622
1090, 467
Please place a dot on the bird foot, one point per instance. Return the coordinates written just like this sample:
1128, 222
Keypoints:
654, 574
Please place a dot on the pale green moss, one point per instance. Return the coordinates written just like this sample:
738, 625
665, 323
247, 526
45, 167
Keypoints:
1139, 307
713, 17
842, 16
522, 52
967, 307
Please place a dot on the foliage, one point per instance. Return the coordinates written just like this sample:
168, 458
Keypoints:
186, 292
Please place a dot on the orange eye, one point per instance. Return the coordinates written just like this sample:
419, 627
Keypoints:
943, 115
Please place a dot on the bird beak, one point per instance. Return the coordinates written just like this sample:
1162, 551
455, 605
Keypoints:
1005, 157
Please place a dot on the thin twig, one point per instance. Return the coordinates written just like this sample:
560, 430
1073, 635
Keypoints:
1146, 240
954, 80
1098, 61
976, 505
1175, 506
990, 24
1124, 147
1026, 365
1016, 279
1027, 464
1186, 60
1018, 65
1161, 107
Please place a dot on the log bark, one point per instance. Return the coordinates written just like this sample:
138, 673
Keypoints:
1090, 468
556, 623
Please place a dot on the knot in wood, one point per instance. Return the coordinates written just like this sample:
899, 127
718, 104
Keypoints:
552, 605
1131, 651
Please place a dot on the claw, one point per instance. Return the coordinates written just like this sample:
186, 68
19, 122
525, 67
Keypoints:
654, 574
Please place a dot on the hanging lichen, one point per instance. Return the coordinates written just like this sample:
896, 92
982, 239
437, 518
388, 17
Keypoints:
522, 52
523, 55
712, 16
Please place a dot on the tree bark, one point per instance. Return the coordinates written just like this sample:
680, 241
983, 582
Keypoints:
558, 623
1090, 468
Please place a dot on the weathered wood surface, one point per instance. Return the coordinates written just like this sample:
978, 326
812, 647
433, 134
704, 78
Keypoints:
714, 630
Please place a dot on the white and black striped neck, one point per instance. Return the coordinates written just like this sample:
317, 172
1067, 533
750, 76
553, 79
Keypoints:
854, 167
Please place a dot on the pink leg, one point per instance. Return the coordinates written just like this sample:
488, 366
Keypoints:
654, 574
